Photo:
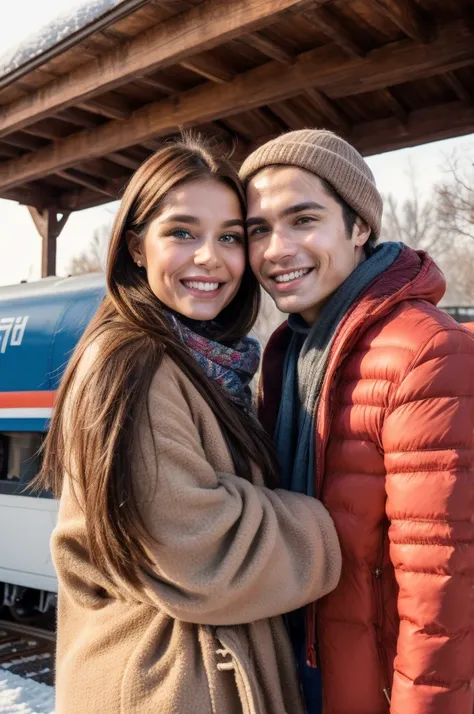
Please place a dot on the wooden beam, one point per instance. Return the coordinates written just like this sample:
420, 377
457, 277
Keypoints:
127, 162
111, 107
268, 47
201, 28
423, 126
9, 151
288, 115
325, 68
408, 17
331, 26
103, 169
49, 225
77, 117
27, 143
455, 84
159, 85
31, 195
394, 105
87, 181
328, 110
209, 67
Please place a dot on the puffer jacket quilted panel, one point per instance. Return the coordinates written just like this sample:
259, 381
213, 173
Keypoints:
395, 443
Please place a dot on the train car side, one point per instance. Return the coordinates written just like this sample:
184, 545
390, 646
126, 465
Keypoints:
40, 325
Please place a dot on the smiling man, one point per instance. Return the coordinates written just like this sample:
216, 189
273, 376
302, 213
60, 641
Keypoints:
368, 391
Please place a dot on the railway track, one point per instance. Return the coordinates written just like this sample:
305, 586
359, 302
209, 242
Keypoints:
27, 651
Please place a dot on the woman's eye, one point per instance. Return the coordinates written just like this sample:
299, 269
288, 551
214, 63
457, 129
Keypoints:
182, 234
231, 238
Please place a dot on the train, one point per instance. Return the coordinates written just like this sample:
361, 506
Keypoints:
40, 325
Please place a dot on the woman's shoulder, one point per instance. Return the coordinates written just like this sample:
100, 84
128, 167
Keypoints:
170, 384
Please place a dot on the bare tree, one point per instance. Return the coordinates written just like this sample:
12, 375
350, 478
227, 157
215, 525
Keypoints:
414, 222
442, 225
456, 197
92, 260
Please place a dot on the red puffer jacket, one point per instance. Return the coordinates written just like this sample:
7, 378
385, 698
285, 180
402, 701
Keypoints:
395, 455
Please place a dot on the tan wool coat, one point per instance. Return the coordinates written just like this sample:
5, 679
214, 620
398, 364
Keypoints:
229, 556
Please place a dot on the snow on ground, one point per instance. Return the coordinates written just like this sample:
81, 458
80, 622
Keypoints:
24, 696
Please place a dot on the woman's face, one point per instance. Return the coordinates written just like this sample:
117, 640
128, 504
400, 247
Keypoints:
194, 250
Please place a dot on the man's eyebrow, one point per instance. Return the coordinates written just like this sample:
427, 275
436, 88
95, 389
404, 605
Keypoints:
291, 210
299, 207
254, 221
233, 222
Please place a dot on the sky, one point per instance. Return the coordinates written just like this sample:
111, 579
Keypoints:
20, 244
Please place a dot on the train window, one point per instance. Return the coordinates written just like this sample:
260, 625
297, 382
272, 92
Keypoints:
19, 461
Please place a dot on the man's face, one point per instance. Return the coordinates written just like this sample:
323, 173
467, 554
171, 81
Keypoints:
299, 247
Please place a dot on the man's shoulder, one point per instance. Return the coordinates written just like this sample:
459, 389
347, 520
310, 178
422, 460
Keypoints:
419, 328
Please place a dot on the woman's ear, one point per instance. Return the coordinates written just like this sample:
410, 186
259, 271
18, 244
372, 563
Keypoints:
135, 248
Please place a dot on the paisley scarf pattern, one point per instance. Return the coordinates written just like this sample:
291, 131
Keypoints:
231, 366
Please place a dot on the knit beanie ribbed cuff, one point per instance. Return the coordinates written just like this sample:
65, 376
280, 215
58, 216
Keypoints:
331, 158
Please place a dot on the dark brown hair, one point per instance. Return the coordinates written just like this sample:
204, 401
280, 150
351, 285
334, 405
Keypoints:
349, 216
130, 335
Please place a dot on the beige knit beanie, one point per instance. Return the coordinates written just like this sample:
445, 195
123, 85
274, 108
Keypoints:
329, 157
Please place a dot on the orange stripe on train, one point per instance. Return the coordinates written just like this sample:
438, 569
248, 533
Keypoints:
11, 400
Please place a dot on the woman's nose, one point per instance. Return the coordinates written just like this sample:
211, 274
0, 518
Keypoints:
207, 255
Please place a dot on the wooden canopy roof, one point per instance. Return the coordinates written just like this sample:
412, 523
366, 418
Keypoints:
77, 120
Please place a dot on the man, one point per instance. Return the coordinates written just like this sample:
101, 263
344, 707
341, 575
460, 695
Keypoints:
369, 394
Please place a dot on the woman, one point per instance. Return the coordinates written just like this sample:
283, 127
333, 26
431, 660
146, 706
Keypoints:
168, 544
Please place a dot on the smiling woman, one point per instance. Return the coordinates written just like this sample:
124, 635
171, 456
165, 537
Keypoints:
193, 253
174, 550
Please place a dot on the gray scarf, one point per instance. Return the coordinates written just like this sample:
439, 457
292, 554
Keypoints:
304, 369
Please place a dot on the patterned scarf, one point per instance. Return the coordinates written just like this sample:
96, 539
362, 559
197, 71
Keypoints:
231, 366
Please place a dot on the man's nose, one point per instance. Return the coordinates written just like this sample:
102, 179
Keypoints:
279, 247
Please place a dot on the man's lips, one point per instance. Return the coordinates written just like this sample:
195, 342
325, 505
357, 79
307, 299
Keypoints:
285, 280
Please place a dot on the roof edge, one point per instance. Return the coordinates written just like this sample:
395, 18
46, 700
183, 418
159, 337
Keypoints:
124, 8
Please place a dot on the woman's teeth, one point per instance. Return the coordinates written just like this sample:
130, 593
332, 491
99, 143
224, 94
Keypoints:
205, 287
287, 277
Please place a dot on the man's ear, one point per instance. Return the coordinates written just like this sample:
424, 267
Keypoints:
360, 232
135, 248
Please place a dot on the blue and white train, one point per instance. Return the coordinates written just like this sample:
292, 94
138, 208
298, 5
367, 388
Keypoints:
40, 324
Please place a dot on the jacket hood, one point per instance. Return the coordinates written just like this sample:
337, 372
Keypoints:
414, 275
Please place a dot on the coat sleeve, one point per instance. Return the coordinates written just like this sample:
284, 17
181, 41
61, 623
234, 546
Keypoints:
224, 551
428, 442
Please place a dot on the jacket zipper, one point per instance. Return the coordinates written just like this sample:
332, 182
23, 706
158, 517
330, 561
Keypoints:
311, 612
377, 574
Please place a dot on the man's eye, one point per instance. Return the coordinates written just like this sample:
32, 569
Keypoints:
258, 230
304, 219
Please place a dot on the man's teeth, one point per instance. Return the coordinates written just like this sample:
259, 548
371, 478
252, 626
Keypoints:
205, 287
287, 277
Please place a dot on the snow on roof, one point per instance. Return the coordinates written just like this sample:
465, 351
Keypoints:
83, 13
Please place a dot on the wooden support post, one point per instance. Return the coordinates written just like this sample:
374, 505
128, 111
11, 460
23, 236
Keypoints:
49, 224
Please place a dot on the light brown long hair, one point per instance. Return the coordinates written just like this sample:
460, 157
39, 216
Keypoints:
92, 431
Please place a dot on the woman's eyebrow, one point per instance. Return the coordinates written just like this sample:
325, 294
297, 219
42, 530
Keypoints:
233, 222
182, 218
